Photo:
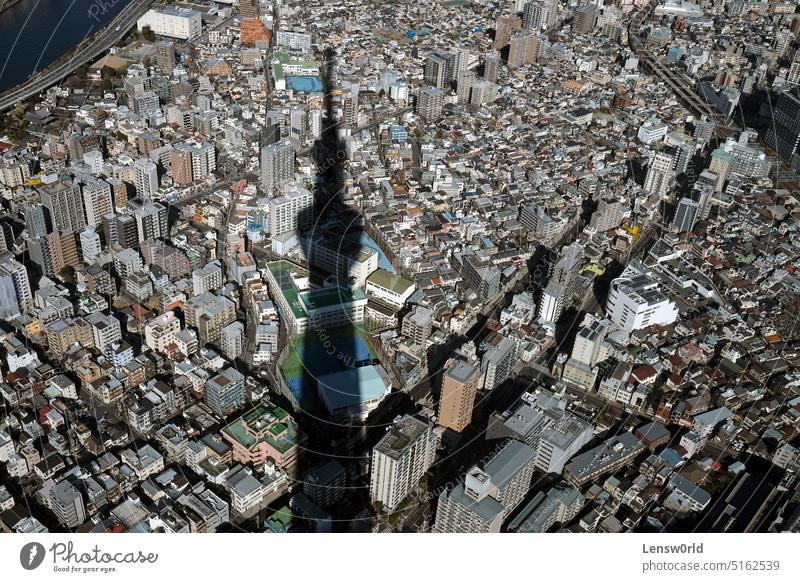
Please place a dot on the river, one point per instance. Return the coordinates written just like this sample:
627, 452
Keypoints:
34, 33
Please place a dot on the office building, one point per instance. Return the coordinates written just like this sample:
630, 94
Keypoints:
399, 461
685, 215
784, 132
37, 220
635, 300
457, 398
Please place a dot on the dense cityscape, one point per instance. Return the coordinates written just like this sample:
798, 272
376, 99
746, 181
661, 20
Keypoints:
435, 266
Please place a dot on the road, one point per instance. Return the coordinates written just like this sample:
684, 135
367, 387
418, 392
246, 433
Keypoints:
101, 42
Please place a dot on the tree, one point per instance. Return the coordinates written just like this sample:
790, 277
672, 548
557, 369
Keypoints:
68, 275
148, 34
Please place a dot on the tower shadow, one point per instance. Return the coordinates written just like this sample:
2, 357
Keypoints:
336, 373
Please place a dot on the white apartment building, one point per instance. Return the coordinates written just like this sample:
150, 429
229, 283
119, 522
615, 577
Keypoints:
183, 23
399, 460
160, 332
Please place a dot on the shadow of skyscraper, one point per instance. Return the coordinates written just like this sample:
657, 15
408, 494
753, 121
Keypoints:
333, 355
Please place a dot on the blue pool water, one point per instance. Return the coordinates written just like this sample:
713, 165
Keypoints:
306, 84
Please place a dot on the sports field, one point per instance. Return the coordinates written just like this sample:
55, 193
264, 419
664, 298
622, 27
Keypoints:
320, 352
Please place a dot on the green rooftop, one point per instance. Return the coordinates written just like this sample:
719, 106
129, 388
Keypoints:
281, 58
330, 296
390, 281
282, 271
280, 521
273, 423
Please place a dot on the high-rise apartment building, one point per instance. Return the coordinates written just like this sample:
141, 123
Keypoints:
160, 331
207, 278
291, 212
430, 103
487, 496
225, 392
20, 279
440, 68
534, 16
660, 173
64, 205
457, 398
399, 460
277, 165
498, 360
97, 201
67, 504
145, 178
181, 164
491, 66
165, 56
